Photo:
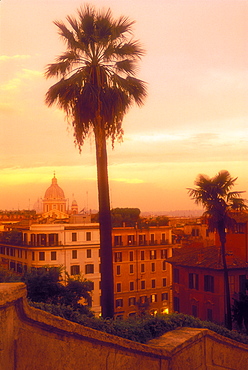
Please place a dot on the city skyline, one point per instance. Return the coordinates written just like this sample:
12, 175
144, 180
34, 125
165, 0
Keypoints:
193, 121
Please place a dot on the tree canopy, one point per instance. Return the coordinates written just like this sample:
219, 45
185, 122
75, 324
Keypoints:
45, 285
125, 216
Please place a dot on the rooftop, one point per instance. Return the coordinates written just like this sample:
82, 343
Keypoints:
205, 257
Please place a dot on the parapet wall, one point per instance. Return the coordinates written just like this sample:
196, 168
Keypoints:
32, 339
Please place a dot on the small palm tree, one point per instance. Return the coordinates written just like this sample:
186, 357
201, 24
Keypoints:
96, 87
215, 196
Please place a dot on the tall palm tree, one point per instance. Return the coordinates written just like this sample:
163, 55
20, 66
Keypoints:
216, 198
96, 86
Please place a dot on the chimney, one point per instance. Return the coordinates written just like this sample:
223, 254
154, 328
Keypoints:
229, 258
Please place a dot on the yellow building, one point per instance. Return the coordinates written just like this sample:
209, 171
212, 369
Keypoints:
73, 246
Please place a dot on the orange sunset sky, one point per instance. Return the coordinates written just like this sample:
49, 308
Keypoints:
194, 119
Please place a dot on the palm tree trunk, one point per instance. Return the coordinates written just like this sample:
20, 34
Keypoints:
107, 283
227, 297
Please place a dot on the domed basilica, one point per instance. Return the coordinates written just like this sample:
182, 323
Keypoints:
54, 202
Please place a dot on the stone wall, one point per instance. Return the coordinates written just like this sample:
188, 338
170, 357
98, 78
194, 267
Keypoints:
31, 339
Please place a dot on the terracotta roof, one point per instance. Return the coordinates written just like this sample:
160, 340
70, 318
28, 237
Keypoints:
241, 217
205, 257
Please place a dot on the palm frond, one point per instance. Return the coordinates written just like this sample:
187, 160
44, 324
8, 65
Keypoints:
97, 71
122, 26
127, 66
131, 49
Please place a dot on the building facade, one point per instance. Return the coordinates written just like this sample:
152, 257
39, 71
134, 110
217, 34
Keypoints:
142, 277
75, 247
198, 282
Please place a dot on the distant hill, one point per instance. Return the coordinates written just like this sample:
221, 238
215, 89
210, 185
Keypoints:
177, 213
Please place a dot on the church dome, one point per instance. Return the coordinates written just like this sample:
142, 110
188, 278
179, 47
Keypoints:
54, 191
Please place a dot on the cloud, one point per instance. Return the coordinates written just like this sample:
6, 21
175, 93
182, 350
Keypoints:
5, 58
128, 181
23, 76
11, 85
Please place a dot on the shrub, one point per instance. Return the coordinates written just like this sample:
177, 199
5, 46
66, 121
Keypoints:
139, 329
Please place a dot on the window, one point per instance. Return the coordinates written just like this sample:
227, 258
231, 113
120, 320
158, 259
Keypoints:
131, 301
193, 281
153, 283
25, 238
176, 276
195, 232
163, 254
119, 303
153, 267
164, 282
163, 240
164, 265
19, 253
74, 237
75, 270
88, 253
118, 270
153, 298
131, 285
131, 256
19, 268
74, 254
194, 310
131, 269
118, 287
209, 314
132, 314
239, 228
142, 240
143, 299
41, 239
242, 283
164, 296
130, 240
209, 283
33, 256
153, 255
89, 269
53, 239
119, 317
142, 284
53, 256
118, 256
142, 267
152, 242
41, 256
117, 240
142, 255
88, 236
176, 304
